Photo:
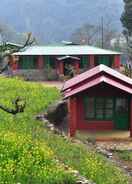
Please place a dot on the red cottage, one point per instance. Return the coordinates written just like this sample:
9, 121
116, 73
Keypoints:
99, 99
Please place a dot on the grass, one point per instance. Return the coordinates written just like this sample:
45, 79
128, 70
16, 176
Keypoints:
23, 158
28, 152
90, 164
125, 155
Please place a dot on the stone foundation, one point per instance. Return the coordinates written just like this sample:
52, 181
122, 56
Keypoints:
37, 75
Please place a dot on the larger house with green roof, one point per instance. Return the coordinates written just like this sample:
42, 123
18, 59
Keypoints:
55, 61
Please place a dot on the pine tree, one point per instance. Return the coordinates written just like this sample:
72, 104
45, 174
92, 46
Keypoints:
126, 17
126, 20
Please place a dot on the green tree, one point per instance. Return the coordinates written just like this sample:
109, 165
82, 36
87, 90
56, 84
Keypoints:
126, 17
126, 20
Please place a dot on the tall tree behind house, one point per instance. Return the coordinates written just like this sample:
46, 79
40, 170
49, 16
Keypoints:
126, 20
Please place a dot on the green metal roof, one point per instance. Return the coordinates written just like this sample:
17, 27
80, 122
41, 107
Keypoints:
65, 50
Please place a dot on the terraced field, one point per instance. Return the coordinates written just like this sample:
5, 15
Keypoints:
29, 152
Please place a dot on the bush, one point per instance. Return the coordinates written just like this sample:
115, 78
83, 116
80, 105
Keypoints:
89, 163
125, 155
25, 161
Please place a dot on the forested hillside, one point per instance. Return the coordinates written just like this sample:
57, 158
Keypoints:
55, 20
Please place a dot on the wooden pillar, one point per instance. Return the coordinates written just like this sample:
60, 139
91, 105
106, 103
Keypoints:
117, 61
131, 117
91, 61
77, 67
61, 68
40, 63
72, 109
14, 62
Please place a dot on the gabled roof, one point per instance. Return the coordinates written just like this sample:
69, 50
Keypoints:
65, 50
95, 76
68, 57
88, 74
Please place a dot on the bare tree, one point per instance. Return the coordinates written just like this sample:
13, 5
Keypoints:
86, 34
92, 34
6, 52
19, 102
20, 105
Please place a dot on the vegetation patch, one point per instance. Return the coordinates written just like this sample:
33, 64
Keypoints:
23, 158
125, 155
29, 151
89, 163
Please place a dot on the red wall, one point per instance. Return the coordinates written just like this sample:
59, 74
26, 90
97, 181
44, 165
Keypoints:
88, 124
101, 90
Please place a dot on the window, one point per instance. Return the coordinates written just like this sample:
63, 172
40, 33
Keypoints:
109, 106
27, 62
89, 109
98, 108
50, 62
121, 105
102, 59
84, 62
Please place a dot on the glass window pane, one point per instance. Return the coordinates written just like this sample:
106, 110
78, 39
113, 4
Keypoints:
121, 105
108, 113
99, 108
89, 108
109, 105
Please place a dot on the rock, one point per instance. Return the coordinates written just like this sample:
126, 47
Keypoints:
40, 117
125, 167
57, 112
75, 173
109, 155
50, 126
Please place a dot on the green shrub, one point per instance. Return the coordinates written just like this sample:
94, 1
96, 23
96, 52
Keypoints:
89, 163
23, 160
125, 155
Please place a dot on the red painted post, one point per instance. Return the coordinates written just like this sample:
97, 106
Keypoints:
117, 61
72, 109
40, 63
91, 59
61, 68
131, 117
77, 67
14, 63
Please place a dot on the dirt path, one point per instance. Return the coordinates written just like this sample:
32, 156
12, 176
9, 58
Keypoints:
56, 84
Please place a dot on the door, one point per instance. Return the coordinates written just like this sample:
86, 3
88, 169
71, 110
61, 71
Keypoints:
121, 117
69, 68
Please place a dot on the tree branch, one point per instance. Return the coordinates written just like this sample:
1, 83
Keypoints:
20, 105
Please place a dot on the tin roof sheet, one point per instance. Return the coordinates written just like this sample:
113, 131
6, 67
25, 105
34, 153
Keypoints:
65, 50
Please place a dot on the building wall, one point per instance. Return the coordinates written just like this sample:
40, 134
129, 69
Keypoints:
36, 74
53, 69
94, 125
90, 124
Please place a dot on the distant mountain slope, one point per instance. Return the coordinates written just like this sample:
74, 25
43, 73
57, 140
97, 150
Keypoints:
55, 20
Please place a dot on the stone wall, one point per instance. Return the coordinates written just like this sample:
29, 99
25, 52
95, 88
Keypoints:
37, 75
